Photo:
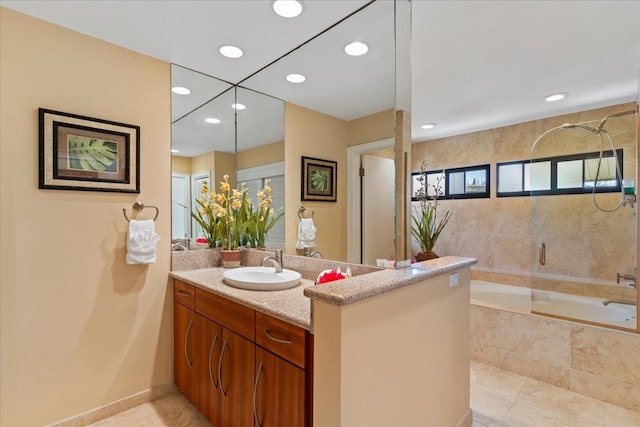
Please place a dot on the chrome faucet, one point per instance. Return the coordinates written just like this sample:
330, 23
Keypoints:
180, 245
275, 259
314, 253
630, 277
618, 301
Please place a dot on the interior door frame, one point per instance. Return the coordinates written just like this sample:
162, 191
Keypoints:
354, 248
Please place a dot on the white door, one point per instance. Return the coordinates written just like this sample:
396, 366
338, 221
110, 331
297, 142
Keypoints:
378, 209
180, 215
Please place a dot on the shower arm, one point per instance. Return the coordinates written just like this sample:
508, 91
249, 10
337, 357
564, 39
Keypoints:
610, 116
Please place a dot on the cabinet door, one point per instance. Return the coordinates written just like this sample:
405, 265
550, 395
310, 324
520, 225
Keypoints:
236, 380
207, 384
184, 329
279, 392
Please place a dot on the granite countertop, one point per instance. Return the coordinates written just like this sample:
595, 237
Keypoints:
294, 305
289, 305
343, 292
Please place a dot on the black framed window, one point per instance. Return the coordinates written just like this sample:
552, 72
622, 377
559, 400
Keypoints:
571, 174
456, 183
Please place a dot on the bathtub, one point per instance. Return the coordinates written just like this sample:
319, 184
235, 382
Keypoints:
524, 300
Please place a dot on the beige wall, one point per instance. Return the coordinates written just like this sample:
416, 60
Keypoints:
496, 231
374, 127
79, 327
397, 359
263, 155
225, 164
204, 163
180, 164
312, 134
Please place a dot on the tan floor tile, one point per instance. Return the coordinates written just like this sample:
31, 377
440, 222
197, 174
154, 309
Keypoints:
180, 410
566, 404
489, 377
146, 415
621, 417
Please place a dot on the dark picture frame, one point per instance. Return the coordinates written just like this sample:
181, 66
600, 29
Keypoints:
319, 179
87, 154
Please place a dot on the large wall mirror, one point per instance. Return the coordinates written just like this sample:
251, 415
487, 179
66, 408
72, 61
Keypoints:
344, 112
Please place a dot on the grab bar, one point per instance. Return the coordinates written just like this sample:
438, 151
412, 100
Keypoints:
542, 254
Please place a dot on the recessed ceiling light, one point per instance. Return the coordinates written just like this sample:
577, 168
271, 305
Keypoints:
428, 126
287, 8
174, 151
231, 51
296, 78
238, 106
556, 96
180, 90
356, 48
212, 120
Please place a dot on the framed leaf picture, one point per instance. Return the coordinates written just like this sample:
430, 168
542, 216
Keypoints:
319, 180
89, 154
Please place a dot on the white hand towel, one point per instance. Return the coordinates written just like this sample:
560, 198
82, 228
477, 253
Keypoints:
306, 234
141, 242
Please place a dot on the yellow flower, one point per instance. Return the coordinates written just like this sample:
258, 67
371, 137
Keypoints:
220, 211
201, 200
221, 198
236, 204
247, 202
261, 195
267, 189
264, 204
236, 194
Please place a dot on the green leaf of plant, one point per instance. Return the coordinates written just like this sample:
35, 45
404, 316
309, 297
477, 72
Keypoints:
92, 154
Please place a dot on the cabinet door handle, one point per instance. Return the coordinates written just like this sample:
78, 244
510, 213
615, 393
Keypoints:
186, 338
255, 391
213, 344
266, 331
542, 254
183, 293
224, 347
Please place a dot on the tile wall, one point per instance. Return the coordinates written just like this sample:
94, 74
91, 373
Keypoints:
596, 362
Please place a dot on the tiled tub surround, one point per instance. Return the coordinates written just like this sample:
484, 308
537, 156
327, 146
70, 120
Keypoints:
594, 361
497, 232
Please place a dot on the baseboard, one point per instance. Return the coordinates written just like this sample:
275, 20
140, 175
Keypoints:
467, 420
116, 407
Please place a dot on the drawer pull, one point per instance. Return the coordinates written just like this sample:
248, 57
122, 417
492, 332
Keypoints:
255, 391
186, 351
213, 344
184, 293
271, 337
224, 346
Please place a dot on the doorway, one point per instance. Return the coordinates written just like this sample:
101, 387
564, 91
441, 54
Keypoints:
373, 243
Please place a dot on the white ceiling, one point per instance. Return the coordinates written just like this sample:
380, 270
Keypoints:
474, 64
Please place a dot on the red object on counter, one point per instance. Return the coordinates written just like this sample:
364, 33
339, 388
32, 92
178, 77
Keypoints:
201, 240
330, 276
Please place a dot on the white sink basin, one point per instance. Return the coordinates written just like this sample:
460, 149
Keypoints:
261, 278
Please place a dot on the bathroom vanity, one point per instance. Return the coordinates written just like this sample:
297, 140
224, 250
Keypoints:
390, 347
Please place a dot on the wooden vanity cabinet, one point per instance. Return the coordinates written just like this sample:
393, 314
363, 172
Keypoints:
207, 383
184, 340
240, 367
280, 392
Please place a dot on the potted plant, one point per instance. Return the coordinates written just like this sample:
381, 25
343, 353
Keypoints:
230, 221
425, 226
261, 219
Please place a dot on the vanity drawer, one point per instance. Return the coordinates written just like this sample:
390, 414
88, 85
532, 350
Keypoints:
229, 314
184, 294
282, 338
